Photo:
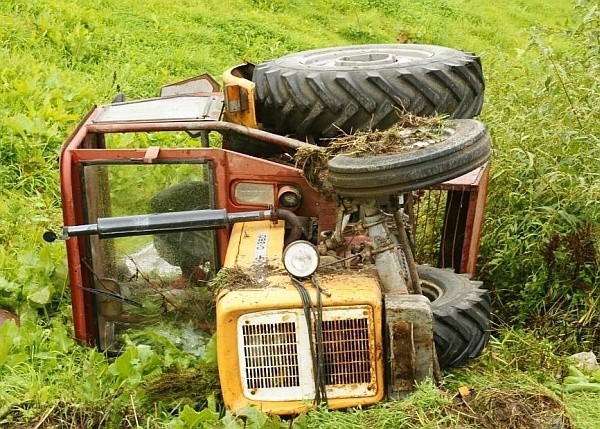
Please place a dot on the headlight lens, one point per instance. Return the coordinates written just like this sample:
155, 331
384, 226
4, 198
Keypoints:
300, 259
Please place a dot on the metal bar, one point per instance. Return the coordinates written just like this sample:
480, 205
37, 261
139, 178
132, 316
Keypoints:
405, 246
387, 262
426, 207
409, 209
474, 224
218, 126
83, 323
125, 226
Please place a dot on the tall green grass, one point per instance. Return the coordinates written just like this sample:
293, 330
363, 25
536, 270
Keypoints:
541, 249
541, 240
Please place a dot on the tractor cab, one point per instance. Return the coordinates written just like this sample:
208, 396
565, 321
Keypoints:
127, 159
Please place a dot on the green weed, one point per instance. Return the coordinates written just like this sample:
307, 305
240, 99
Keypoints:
541, 250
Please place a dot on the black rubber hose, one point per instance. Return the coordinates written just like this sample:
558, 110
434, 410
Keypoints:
293, 221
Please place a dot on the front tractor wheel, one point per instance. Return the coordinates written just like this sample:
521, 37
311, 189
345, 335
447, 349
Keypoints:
461, 312
465, 146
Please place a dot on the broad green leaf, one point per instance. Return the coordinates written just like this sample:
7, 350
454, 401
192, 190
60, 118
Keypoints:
40, 296
210, 353
60, 340
176, 424
193, 419
254, 418
7, 286
19, 124
8, 332
229, 421
211, 402
122, 366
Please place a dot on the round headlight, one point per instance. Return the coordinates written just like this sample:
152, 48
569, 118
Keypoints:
301, 258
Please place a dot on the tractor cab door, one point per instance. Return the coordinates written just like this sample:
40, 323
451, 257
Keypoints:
142, 285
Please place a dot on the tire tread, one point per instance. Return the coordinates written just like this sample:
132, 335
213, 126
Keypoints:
461, 324
452, 86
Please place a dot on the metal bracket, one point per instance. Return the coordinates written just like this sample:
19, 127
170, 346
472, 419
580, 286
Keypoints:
409, 342
151, 154
236, 98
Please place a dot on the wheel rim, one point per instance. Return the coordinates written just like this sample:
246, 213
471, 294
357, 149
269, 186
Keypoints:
430, 290
371, 59
360, 57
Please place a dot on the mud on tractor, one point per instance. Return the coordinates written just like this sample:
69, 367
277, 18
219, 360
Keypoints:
318, 294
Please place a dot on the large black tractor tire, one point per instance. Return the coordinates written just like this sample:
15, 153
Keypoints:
326, 92
466, 147
188, 249
461, 312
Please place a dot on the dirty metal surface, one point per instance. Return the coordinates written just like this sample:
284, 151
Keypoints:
198, 84
449, 220
409, 321
164, 109
275, 360
387, 260
402, 356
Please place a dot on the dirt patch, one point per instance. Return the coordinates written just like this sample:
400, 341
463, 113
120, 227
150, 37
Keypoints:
508, 409
6, 315
232, 278
183, 385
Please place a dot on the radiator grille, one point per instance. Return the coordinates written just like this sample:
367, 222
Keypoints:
271, 355
346, 350
276, 361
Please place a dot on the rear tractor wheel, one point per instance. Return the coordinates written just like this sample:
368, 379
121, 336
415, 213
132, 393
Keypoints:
326, 92
461, 312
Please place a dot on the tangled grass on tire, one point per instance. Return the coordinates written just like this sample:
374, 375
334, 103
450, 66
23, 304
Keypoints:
409, 133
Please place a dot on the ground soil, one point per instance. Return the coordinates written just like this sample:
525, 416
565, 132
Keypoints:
508, 409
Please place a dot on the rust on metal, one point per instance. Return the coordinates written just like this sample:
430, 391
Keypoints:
387, 260
218, 126
463, 219
402, 355
236, 98
409, 343
87, 145
449, 219
195, 85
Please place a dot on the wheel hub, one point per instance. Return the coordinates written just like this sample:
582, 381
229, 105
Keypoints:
366, 59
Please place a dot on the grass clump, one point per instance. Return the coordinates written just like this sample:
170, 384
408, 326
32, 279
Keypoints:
424, 408
48, 380
409, 133
541, 244
232, 278
179, 386
516, 383
513, 408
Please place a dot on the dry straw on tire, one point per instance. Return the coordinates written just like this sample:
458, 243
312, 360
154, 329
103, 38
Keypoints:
410, 133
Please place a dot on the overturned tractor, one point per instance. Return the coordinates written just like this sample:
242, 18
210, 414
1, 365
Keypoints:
304, 252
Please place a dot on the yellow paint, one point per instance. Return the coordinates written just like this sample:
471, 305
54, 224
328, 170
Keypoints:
278, 292
244, 240
245, 117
